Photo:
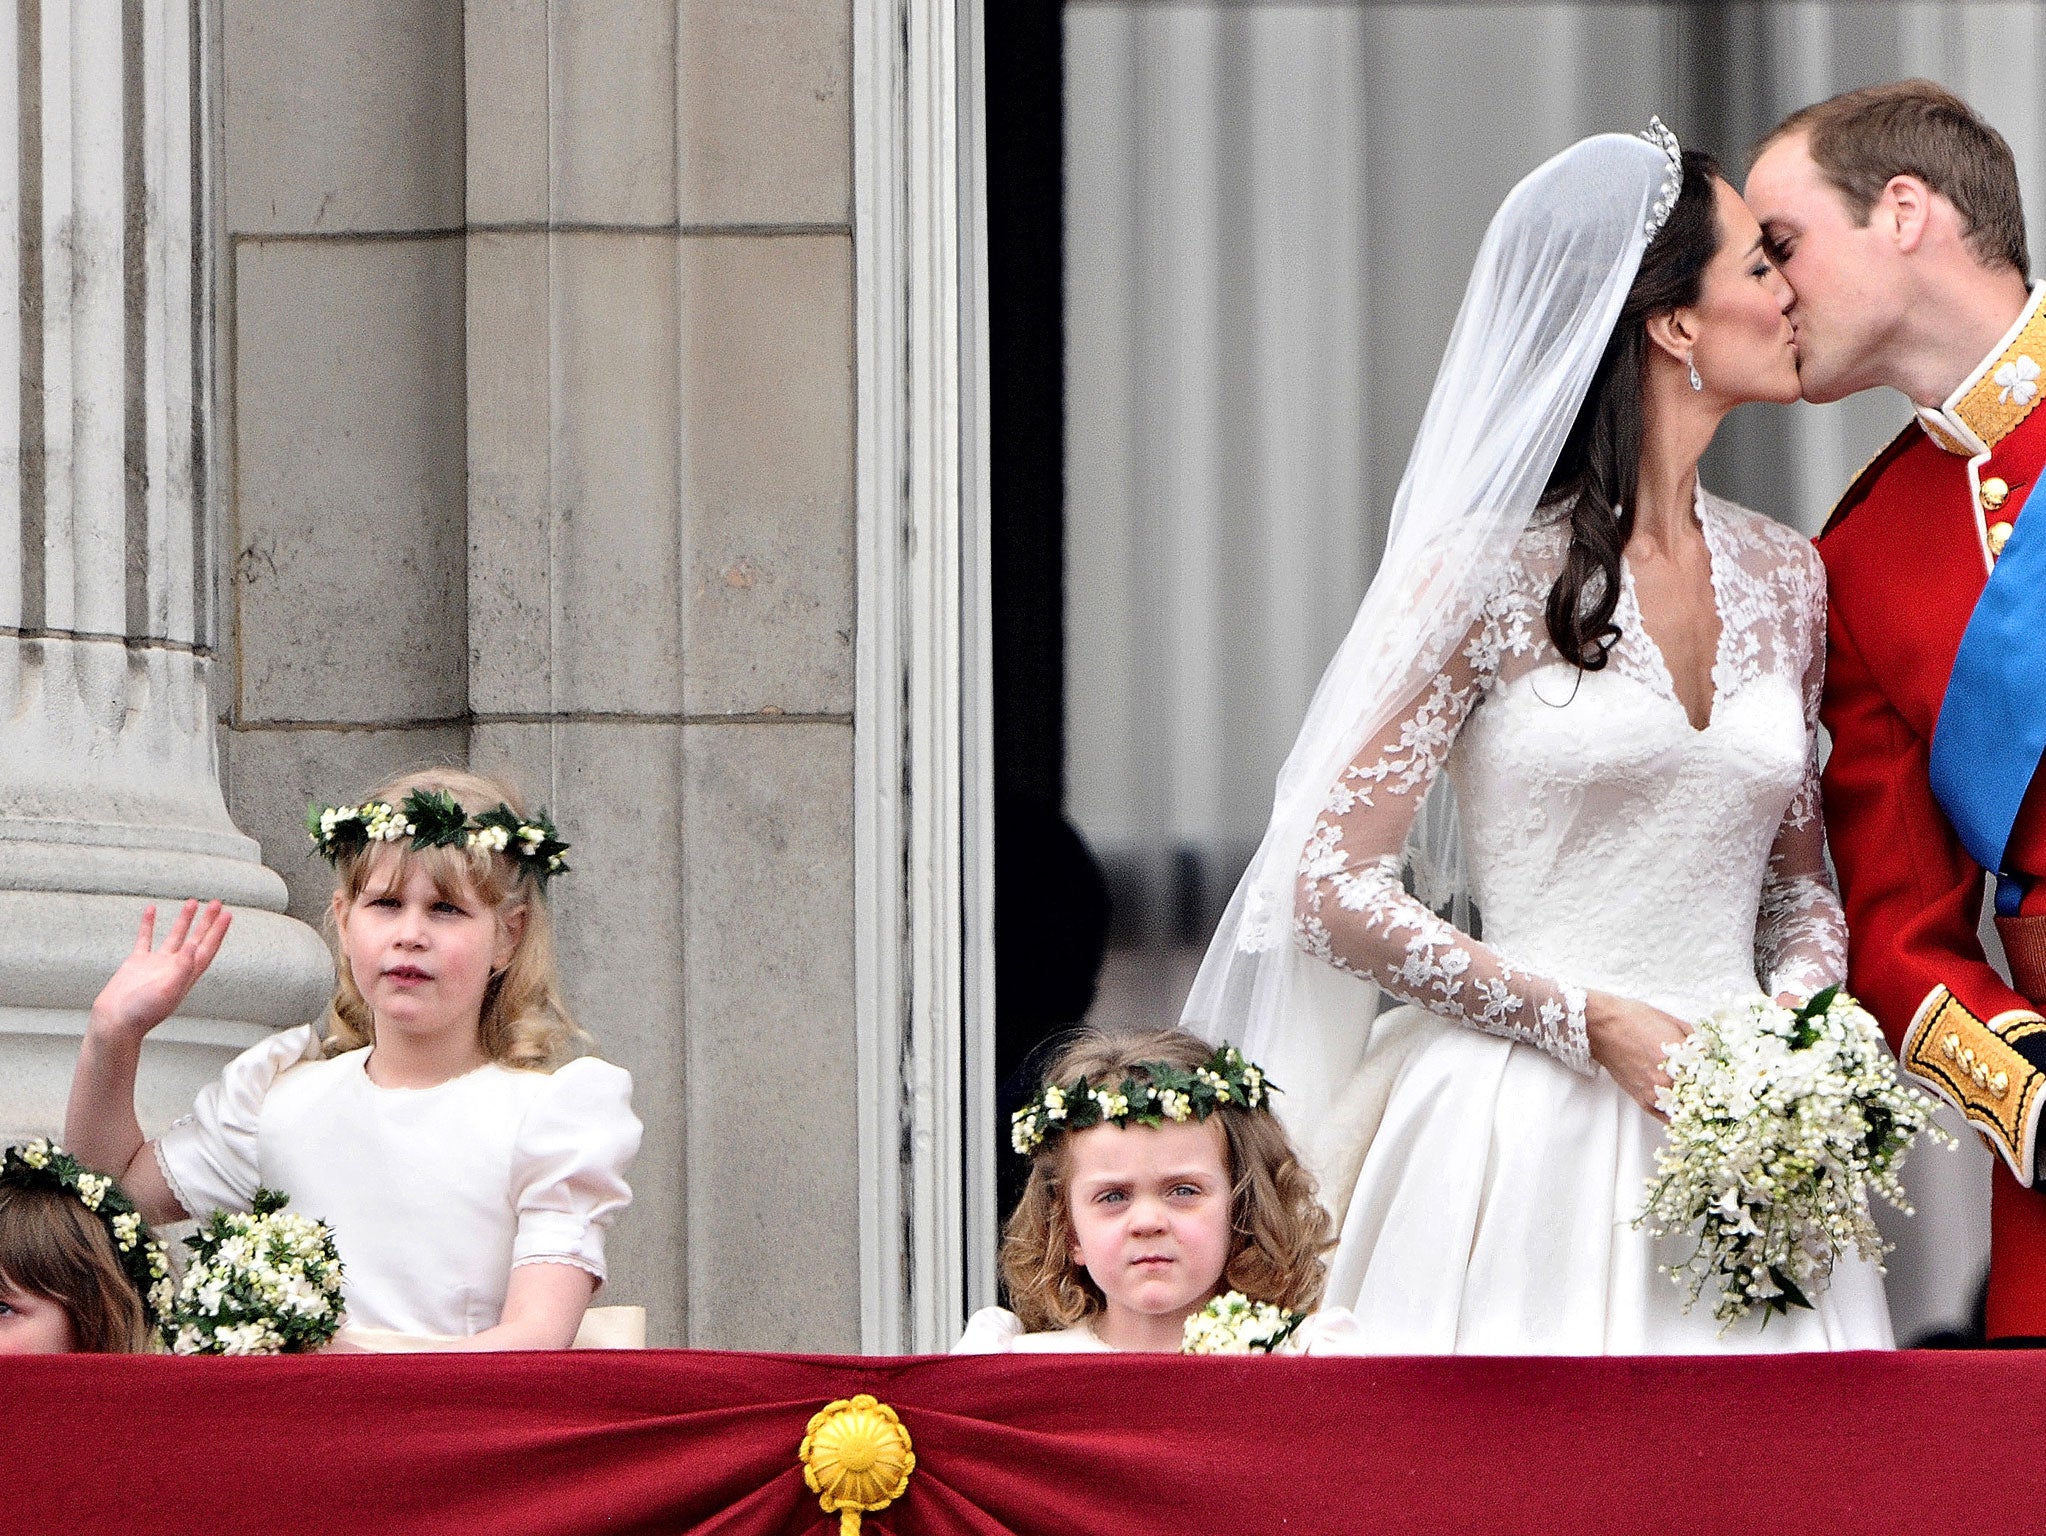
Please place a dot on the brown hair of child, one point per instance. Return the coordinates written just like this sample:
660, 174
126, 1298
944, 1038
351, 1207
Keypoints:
1278, 1228
53, 1247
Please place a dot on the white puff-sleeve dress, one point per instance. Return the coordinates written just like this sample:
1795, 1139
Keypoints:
435, 1194
998, 1331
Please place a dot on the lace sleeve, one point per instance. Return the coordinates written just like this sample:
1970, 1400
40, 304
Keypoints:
1801, 934
1352, 910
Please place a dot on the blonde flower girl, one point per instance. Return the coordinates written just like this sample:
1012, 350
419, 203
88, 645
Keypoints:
468, 1161
1165, 1211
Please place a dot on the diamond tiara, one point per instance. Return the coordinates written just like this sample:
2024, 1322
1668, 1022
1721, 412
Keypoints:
1658, 134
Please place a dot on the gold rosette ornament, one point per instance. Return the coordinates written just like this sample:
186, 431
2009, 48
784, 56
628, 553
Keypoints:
856, 1458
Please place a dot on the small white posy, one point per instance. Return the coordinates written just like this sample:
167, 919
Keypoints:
260, 1283
1233, 1324
2017, 381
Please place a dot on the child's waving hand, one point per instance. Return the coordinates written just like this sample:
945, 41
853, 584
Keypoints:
151, 982
100, 1125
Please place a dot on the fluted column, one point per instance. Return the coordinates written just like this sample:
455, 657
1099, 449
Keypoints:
109, 790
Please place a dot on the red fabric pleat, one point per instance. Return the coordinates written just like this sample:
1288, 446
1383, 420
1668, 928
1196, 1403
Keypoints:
672, 1441
2017, 1257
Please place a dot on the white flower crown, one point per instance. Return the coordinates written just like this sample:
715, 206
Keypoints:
433, 818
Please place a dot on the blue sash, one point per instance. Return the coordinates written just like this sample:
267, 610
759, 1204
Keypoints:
1992, 721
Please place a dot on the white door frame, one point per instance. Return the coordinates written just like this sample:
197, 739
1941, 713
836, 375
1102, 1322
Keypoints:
922, 777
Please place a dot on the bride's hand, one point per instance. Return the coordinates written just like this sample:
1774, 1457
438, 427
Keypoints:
1628, 1039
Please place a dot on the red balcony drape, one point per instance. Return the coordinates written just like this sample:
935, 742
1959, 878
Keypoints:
672, 1441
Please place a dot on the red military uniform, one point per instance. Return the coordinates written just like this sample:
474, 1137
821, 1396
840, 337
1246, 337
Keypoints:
1907, 554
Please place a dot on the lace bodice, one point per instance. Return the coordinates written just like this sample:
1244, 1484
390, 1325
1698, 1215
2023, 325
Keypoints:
1611, 845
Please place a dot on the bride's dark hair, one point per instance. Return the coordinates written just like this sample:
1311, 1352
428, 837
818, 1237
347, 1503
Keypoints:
1602, 455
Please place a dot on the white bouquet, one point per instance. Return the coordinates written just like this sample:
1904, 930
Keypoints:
1233, 1324
1781, 1123
264, 1283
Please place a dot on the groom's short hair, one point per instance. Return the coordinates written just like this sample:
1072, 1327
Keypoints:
1860, 139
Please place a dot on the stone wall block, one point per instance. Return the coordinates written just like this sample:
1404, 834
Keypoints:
348, 556
506, 44
613, 112
772, 1106
617, 548
767, 474
511, 532
765, 127
615, 791
342, 115
272, 776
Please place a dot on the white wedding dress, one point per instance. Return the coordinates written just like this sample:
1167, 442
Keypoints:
1485, 1172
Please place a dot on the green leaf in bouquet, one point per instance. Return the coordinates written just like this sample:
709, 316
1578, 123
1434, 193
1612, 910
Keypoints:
1816, 1005
1808, 1017
1881, 1123
1791, 1297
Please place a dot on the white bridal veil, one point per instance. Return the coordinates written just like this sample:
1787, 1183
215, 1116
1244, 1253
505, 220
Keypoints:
1544, 295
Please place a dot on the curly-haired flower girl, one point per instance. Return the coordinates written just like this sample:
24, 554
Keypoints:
79, 1273
1162, 1190
468, 1166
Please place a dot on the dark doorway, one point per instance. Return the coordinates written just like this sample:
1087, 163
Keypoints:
1051, 904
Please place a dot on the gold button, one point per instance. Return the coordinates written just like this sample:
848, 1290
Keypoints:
1999, 535
1994, 493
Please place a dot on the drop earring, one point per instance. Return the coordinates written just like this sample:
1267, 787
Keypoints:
1696, 382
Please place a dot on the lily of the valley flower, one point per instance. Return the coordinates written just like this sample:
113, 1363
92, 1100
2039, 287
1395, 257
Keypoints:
1773, 1149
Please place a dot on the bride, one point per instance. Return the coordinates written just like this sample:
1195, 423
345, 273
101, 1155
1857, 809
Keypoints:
1621, 673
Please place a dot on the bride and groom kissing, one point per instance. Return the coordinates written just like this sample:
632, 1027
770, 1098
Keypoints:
1622, 678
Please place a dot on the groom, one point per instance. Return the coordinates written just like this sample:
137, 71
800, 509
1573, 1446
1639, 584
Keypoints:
1894, 213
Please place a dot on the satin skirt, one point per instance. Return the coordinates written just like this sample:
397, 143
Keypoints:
1487, 1196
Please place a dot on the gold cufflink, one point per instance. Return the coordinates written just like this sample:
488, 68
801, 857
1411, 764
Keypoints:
1995, 492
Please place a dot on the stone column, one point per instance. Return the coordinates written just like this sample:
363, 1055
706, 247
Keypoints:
660, 415
109, 790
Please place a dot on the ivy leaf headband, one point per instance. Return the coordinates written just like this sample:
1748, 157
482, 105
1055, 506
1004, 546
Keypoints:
433, 818
1151, 1093
42, 1164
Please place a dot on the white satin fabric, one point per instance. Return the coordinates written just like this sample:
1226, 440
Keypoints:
1487, 1187
997, 1331
434, 1194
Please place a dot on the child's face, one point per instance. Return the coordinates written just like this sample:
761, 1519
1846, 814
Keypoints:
32, 1324
422, 960
1150, 1209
